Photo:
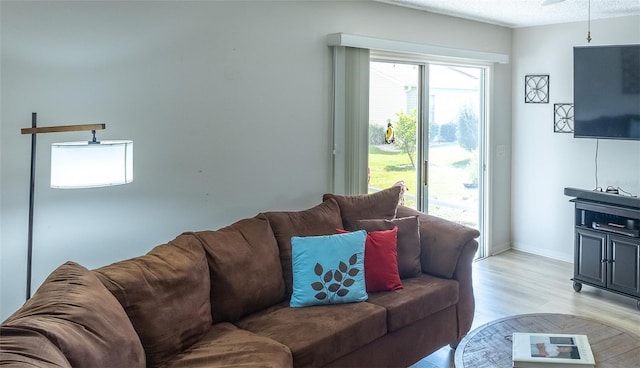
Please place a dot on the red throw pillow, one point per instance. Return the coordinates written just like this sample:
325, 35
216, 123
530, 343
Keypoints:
381, 260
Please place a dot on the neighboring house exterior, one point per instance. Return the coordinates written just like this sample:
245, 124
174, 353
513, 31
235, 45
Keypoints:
394, 88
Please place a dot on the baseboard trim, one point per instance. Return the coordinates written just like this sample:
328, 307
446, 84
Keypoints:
499, 249
544, 253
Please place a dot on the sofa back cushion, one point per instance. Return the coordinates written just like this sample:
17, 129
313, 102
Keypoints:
166, 295
380, 205
75, 312
244, 263
408, 242
322, 219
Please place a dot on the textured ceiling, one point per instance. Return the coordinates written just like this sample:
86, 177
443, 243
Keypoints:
526, 13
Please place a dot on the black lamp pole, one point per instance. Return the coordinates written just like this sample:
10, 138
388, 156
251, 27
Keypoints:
34, 118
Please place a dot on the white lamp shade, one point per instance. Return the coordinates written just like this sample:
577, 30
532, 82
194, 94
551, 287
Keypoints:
89, 165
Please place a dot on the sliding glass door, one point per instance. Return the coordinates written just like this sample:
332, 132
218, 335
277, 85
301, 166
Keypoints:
454, 152
426, 129
394, 101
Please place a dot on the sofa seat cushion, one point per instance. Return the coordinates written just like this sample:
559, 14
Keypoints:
247, 245
74, 311
225, 345
165, 294
318, 335
420, 297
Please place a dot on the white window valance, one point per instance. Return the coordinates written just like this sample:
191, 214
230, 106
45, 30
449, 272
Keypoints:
425, 50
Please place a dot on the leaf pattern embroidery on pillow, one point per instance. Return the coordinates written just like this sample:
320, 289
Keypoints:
335, 283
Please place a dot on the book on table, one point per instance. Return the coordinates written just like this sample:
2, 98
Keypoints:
531, 350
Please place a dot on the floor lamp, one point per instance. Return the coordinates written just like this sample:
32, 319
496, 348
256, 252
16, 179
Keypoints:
86, 164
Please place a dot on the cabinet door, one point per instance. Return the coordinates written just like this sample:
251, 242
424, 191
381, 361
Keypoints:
589, 258
624, 265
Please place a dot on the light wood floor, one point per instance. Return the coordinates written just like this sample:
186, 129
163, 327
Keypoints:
515, 282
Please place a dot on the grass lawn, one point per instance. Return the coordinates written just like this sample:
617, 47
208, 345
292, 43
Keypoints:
449, 170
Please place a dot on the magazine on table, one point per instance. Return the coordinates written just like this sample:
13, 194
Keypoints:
531, 350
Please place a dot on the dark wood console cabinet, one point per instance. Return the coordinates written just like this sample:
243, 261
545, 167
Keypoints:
607, 243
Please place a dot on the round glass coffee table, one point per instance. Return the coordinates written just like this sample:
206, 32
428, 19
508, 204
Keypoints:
489, 346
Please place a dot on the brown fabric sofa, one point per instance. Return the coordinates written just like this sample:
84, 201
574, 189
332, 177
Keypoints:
221, 299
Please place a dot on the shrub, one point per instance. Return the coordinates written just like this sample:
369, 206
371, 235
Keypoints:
376, 134
448, 132
467, 129
434, 131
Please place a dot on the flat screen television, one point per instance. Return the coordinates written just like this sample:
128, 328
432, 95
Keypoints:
606, 92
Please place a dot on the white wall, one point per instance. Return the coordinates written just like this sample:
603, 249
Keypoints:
544, 162
228, 105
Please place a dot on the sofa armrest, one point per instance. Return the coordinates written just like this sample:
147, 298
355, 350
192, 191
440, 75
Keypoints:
442, 242
448, 250
466, 300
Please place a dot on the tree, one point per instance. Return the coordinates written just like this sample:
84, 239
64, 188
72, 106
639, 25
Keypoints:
467, 128
405, 132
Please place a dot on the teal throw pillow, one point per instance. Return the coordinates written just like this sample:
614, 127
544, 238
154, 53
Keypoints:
328, 269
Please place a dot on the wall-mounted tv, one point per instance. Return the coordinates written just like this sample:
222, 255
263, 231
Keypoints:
606, 92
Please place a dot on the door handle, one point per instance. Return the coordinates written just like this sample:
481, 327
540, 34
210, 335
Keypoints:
425, 171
